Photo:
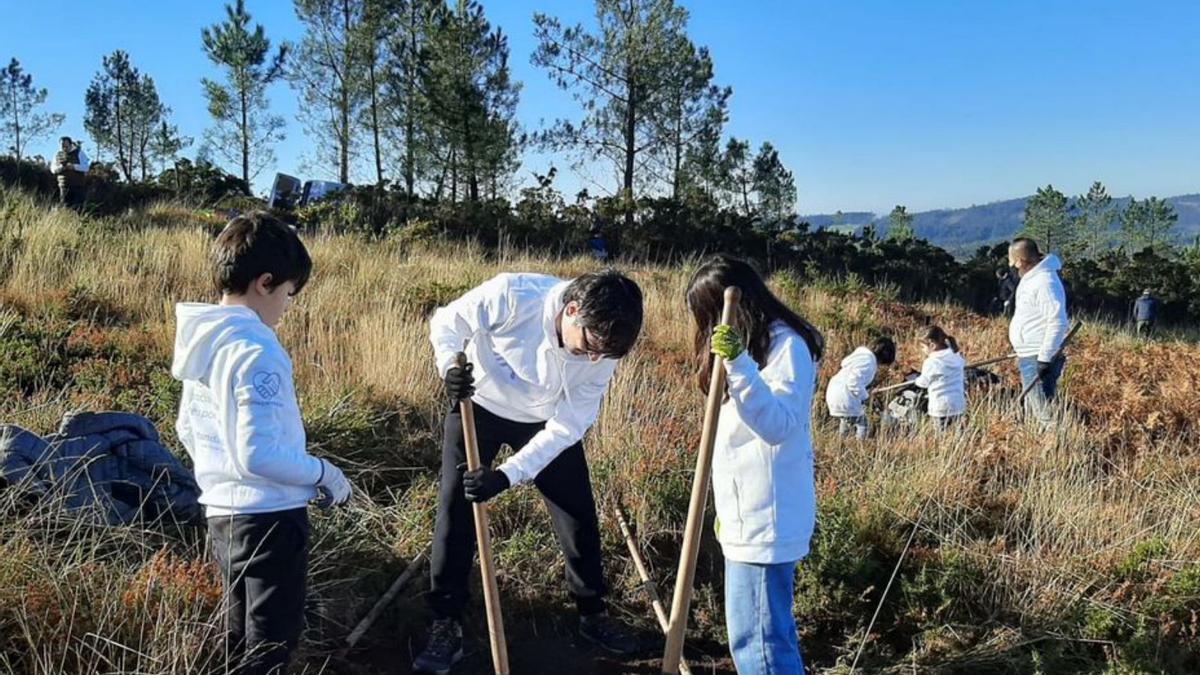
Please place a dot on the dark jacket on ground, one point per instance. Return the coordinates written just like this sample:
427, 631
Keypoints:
112, 461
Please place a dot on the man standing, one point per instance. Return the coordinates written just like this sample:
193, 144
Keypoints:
1145, 312
1039, 324
69, 165
542, 352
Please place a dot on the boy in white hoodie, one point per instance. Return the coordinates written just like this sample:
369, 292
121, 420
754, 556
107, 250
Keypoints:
541, 353
240, 423
847, 392
762, 470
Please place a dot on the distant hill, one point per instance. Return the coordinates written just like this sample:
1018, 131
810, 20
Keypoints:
963, 230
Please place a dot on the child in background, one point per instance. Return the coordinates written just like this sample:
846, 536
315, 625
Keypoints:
942, 376
762, 471
846, 394
240, 423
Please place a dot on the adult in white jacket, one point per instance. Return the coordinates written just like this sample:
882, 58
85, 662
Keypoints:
942, 376
1039, 324
541, 353
240, 423
762, 472
847, 392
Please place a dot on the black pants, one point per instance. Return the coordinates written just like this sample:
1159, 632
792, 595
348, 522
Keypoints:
263, 559
564, 485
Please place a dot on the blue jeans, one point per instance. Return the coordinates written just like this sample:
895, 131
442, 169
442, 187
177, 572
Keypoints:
758, 615
1039, 399
860, 425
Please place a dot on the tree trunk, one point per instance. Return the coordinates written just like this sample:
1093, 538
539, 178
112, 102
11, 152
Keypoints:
375, 121
630, 144
245, 144
410, 122
344, 103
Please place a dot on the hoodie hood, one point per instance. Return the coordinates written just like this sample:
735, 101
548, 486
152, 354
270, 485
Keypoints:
202, 329
856, 356
1050, 263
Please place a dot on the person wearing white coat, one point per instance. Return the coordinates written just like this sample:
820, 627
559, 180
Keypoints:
942, 376
762, 471
1039, 325
847, 392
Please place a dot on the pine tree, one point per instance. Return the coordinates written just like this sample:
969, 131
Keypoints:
1094, 220
1147, 225
773, 185
21, 121
900, 227
1048, 223
244, 131
123, 114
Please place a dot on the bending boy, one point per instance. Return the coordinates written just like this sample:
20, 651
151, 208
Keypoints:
542, 352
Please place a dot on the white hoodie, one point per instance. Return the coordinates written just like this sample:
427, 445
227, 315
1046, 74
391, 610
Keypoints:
847, 390
942, 375
1039, 323
762, 473
522, 371
238, 418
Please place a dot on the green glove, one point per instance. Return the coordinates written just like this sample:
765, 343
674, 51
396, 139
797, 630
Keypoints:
726, 343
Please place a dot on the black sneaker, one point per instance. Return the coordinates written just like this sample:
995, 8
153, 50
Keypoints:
607, 633
444, 648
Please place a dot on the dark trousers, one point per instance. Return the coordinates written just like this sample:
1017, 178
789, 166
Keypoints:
263, 559
566, 488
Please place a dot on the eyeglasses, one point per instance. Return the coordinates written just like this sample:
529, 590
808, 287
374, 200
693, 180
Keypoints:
588, 350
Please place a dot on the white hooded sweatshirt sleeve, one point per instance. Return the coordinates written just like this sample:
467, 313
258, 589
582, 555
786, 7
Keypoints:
1039, 323
485, 308
847, 390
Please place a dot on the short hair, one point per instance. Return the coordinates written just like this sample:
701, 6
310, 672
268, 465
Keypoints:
884, 349
610, 310
255, 244
1026, 249
65, 139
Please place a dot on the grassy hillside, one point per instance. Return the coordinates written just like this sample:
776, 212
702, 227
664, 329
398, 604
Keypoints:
1067, 552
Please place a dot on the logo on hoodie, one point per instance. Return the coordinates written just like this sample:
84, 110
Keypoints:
267, 384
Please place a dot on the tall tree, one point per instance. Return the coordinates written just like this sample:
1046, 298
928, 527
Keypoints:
244, 129
472, 100
405, 74
774, 185
618, 75
1147, 225
123, 113
900, 227
1094, 219
737, 176
329, 69
1049, 224
378, 18
692, 111
21, 121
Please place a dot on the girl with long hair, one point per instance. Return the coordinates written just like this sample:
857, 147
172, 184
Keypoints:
762, 473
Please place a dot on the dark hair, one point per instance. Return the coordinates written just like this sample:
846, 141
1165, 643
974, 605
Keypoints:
1026, 248
757, 310
884, 349
938, 338
66, 139
255, 244
610, 310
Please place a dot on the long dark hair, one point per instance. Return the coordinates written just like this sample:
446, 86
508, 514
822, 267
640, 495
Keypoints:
757, 310
936, 337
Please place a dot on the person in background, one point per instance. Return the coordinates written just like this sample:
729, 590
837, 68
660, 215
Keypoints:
847, 393
942, 375
1145, 313
69, 166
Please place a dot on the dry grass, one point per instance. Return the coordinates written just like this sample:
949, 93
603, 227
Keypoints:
1043, 524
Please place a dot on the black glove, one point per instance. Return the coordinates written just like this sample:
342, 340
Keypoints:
460, 383
1044, 368
483, 483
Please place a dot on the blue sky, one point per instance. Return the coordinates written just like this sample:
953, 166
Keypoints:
871, 103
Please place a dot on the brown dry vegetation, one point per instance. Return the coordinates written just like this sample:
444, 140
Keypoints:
1060, 552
